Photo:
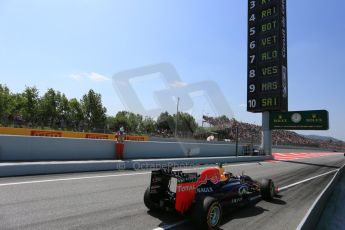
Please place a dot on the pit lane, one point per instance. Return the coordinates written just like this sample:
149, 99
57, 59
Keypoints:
107, 200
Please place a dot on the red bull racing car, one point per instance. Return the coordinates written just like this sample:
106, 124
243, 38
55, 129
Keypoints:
204, 195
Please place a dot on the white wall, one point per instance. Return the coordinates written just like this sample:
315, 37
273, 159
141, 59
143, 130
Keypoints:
23, 148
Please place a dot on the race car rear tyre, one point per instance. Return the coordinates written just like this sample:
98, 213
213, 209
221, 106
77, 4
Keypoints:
267, 189
152, 206
207, 213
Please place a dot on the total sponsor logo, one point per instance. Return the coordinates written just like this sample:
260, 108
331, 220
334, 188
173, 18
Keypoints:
190, 187
185, 188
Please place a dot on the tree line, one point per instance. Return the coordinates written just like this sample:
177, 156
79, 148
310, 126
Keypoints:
54, 110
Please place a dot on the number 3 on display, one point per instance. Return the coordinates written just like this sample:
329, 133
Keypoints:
252, 4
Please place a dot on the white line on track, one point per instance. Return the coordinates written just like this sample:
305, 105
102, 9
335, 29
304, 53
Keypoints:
166, 227
306, 180
71, 178
106, 176
118, 175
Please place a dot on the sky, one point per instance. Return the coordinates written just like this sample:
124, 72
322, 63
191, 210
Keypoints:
74, 46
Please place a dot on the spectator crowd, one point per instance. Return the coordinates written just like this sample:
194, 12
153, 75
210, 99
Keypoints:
251, 133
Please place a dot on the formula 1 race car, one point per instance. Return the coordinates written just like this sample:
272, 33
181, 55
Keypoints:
204, 195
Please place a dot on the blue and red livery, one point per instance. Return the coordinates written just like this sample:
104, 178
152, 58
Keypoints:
204, 195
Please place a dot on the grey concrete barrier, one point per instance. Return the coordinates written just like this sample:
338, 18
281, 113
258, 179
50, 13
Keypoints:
23, 148
312, 217
158, 149
177, 162
188, 140
36, 168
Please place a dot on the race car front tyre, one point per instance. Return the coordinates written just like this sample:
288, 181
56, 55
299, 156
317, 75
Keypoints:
207, 213
267, 189
152, 206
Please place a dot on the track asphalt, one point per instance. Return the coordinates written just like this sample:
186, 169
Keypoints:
114, 200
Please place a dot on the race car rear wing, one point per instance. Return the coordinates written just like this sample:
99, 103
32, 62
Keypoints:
160, 179
185, 188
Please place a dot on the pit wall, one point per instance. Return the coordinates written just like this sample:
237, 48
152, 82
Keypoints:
24, 148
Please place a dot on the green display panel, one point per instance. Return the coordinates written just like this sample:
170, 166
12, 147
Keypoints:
300, 120
267, 88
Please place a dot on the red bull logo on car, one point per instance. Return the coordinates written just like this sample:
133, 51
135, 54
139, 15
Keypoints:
185, 191
213, 179
211, 174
